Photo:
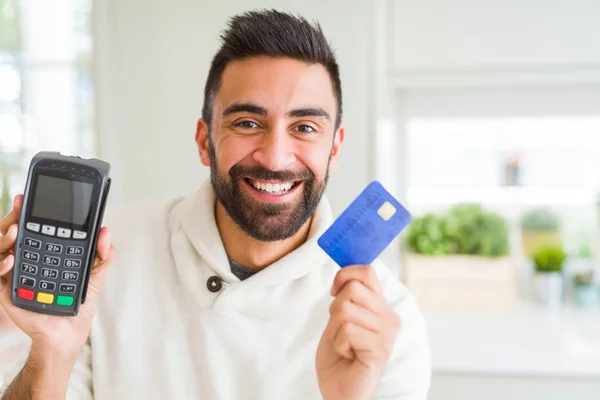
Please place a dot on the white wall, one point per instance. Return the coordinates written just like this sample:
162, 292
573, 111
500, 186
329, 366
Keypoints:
473, 35
152, 61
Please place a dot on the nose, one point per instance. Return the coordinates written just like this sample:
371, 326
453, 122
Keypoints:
276, 150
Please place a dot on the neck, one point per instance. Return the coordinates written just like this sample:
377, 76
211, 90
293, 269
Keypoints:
252, 253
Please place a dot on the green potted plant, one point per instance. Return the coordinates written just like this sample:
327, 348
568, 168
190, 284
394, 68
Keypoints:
585, 293
428, 235
549, 260
539, 226
459, 260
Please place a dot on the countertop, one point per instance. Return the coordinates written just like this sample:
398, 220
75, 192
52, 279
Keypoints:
532, 340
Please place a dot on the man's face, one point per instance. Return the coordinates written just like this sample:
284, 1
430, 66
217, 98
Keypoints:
272, 143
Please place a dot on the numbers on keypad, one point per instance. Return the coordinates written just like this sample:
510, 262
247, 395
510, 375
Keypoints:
49, 273
75, 250
34, 244
31, 256
70, 276
53, 248
26, 281
29, 269
67, 288
70, 263
47, 286
49, 260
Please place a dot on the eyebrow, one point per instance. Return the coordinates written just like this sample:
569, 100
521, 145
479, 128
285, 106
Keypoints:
245, 107
308, 112
256, 109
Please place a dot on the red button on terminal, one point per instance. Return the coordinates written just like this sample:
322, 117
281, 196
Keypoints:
25, 294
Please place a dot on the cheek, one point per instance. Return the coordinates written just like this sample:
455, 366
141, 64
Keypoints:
315, 158
230, 150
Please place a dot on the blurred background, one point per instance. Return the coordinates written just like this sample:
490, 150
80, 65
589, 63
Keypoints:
482, 117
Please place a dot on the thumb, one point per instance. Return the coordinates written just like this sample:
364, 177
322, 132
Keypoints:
105, 254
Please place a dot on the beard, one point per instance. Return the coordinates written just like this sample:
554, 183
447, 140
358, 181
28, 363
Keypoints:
266, 222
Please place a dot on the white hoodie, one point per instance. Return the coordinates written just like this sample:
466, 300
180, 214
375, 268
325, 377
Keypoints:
160, 333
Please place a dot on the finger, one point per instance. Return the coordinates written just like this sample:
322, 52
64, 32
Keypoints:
362, 273
6, 276
104, 244
105, 255
353, 341
6, 265
351, 313
13, 216
359, 294
341, 343
7, 241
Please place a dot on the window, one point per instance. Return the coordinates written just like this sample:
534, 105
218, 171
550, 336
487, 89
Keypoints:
46, 90
507, 164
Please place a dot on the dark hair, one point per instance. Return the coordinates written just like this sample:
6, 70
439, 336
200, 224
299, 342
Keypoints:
275, 34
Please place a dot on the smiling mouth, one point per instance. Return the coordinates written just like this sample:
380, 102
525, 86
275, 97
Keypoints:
272, 187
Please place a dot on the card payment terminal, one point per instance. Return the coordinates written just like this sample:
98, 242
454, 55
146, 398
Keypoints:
60, 220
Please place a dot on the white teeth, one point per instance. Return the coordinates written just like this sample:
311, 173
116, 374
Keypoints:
273, 188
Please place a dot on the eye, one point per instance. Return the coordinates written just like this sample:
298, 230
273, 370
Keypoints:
305, 129
247, 125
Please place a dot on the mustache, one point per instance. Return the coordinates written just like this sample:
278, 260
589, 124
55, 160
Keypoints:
259, 173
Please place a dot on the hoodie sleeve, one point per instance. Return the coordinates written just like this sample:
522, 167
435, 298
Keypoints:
408, 374
80, 384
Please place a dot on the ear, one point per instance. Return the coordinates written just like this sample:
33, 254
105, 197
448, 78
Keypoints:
335, 151
202, 141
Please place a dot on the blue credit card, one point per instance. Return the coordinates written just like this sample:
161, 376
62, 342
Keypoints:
365, 228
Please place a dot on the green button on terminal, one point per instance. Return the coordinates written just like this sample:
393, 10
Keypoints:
64, 300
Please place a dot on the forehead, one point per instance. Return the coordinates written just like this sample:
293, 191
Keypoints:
277, 84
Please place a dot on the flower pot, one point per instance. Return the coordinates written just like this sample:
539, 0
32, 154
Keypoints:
586, 296
461, 283
549, 288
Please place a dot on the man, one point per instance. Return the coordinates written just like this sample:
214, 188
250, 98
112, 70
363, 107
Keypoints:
224, 294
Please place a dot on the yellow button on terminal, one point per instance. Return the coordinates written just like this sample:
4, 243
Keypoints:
45, 298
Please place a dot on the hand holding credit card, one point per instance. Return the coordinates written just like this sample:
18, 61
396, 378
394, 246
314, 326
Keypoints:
365, 228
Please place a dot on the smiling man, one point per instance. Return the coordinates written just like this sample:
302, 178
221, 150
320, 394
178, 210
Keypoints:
224, 294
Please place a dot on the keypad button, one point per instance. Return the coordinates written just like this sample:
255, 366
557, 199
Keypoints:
70, 276
31, 256
53, 248
29, 269
48, 230
67, 288
64, 300
79, 235
49, 286
75, 250
25, 294
32, 226
34, 244
52, 261
45, 298
64, 233
27, 281
70, 263
49, 273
